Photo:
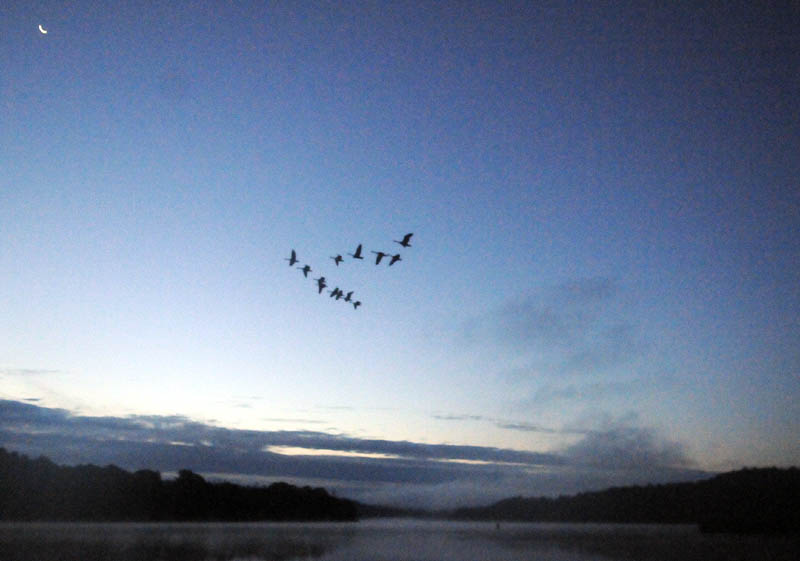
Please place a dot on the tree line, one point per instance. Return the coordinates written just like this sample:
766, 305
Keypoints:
754, 500
38, 489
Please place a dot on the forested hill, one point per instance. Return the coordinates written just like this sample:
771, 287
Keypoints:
41, 490
765, 500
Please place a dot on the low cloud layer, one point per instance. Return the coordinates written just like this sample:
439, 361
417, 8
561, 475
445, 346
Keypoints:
397, 472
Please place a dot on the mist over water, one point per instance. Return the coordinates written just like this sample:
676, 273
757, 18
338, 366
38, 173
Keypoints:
384, 540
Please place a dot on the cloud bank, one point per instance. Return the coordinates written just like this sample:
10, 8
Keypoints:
372, 470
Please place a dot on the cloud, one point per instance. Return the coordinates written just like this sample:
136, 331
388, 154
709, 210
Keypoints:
27, 371
549, 393
574, 327
448, 417
500, 423
293, 420
559, 315
484, 488
618, 443
39, 422
525, 427
479, 490
628, 448
407, 472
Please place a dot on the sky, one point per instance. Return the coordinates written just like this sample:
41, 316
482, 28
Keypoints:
603, 281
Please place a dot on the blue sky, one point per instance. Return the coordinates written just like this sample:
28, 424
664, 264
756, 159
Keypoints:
605, 208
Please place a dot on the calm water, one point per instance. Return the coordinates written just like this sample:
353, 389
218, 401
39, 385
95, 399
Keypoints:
396, 540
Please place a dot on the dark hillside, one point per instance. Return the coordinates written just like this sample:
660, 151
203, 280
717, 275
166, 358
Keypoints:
41, 490
763, 500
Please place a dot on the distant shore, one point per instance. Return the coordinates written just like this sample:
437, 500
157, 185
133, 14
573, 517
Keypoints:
755, 501
762, 500
41, 490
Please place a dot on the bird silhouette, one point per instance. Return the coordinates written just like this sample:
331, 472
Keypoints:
306, 269
338, 259
349, 295
335, 293
356, 304
321, 284
405, 241
395, 259
357, 254
380, 255
292, 260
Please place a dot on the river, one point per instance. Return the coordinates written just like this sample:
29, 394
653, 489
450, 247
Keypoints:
381, 540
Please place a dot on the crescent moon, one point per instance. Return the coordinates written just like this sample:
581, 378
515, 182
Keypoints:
42, 29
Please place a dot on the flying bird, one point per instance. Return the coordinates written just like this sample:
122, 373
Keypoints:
405, 241
395, 259
349, 295
306, 269
380, 255
356, 304
338, 259
335, 293
321, 284
357, 254
292, 260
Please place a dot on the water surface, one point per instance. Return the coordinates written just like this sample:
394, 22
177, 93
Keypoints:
381, 540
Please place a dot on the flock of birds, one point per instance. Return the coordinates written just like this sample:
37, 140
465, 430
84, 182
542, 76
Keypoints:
337, 293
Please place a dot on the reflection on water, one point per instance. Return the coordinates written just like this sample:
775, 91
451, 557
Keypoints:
397, 540
169, 542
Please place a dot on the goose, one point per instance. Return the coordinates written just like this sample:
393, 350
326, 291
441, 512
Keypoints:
356, 304
335, 293
405, 241
321, 284
349, 295
357, 254
395, 259
380, 255
338, 259
292, 260
305, 270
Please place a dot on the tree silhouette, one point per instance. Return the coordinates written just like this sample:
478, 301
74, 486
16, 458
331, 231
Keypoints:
765, 500
41, 490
